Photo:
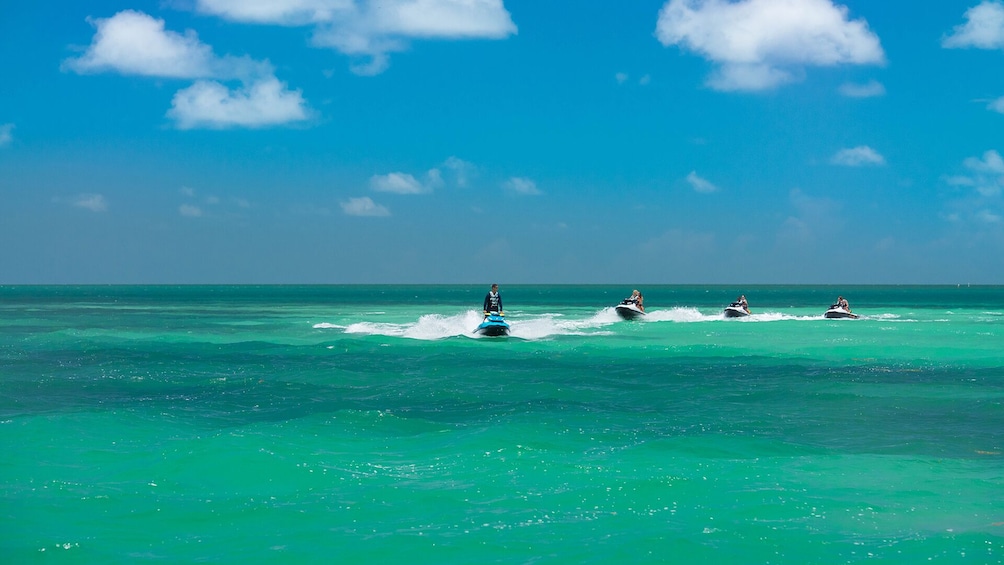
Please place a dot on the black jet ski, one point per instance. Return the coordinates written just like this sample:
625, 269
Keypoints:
736, 310
837, 311
629, 310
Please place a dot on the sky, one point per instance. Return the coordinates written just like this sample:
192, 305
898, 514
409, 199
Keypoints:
510, 141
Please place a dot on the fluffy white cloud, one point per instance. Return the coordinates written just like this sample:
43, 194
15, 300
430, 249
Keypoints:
986, 174
857, 157
699, 184
984, 28
398, 183
285, 12
521, 185
6, 134
363, 206
212, 105
373, 28
997, 105
404, 183
92, 202
132, 42
760, 44
867, 90
135, 43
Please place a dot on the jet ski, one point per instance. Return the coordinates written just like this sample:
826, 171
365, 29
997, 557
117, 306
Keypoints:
837, 311
629, 310
735, 310
494, 325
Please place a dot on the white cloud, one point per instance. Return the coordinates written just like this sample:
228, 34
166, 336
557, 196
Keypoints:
6, 134
980, 191
997, 105
92, 202
404, 183
645, 80
434, 179
857, 157
991, 163
286, 12
761, 44
987, 174
397, 183
363, 206
190, 211
263, 103
521, 185
869, 89
134, 43
462, 170
699, 184
621, 78
373, 28
984, 28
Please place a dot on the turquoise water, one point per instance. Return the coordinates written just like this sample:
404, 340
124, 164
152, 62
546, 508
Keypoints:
356, 424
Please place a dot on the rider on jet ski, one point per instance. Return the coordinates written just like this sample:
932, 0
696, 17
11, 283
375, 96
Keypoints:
493, 301
636, 299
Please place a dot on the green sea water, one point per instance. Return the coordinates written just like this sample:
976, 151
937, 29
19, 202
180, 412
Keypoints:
347, 424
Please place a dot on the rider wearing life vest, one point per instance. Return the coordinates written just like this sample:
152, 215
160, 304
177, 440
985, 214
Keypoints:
493, 301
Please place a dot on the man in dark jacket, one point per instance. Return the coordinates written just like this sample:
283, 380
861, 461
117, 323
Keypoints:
493, 301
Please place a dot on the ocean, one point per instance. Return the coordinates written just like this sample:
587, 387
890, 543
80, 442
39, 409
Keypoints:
366, 424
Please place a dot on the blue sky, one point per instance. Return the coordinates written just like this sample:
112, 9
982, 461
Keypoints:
519, 141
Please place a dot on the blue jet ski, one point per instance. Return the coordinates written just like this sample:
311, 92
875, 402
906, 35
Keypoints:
494, 325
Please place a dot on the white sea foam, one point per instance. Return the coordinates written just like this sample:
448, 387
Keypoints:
547, 325
428, 327
686, 314
678, 314
437, 326
885, 316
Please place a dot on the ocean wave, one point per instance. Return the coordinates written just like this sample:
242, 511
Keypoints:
677, 314
438, 326
432, 327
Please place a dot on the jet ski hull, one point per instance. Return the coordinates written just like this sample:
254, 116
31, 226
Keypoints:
493, 326
835, 313
629, 311
735, 312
